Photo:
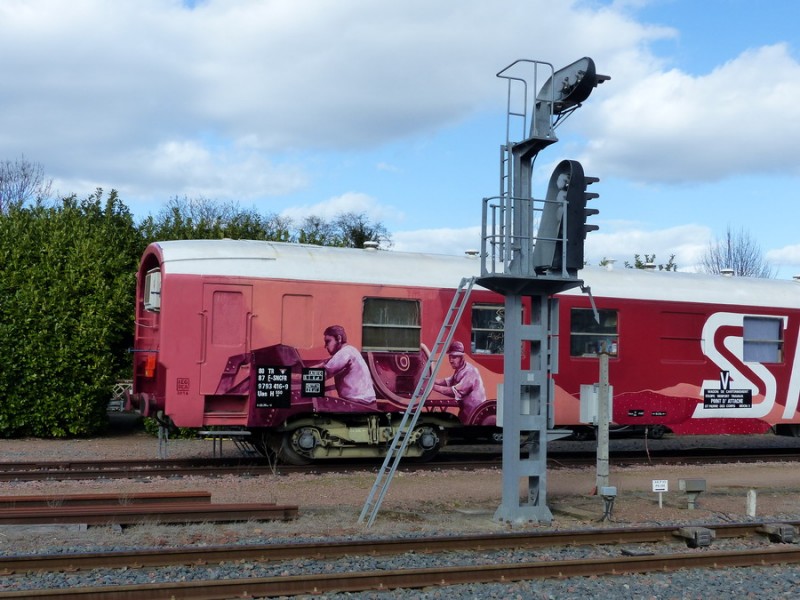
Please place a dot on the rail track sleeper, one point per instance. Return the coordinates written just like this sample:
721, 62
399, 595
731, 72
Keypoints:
782, 533
696, 537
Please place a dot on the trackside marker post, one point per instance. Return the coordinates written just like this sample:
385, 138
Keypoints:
751, 503
660, 486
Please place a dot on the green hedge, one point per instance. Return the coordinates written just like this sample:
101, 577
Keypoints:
67, 280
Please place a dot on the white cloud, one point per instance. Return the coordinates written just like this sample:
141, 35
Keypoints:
87, 85
190, 168
786, 258
670, 126
388, 167
220, 173
438, 241
232, 99
346, 203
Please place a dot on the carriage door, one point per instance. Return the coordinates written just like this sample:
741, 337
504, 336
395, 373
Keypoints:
225, 322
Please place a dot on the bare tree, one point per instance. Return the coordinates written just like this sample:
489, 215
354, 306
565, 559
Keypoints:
738, 252
22, 181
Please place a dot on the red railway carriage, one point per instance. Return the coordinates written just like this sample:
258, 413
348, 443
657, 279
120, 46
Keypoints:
696, 354
317, 350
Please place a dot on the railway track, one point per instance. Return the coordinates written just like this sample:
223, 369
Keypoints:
387, 579
469, 460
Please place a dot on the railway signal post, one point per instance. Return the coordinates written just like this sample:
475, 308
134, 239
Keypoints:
533, 249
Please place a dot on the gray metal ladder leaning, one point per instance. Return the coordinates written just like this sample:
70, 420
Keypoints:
415, 404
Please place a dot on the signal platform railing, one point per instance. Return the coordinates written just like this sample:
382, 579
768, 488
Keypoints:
512, 242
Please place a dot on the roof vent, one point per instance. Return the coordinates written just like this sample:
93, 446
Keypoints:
371, 246
650, 266
726, 272
472, 253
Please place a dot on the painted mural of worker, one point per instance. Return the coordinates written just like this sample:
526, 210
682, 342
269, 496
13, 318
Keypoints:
465, 384
347, 367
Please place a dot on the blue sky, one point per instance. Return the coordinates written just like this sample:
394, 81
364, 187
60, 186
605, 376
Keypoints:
393, 109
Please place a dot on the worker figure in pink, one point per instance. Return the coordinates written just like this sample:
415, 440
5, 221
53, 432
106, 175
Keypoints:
347, 367
465, 384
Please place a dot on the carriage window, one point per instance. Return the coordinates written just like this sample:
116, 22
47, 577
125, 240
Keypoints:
390, 324
763, 340
487, 328
587, 336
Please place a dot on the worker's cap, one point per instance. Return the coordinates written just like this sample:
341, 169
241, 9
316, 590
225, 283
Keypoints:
456, 348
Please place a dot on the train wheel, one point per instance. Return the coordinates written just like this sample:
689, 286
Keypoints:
430, 441
656, 432
297, 445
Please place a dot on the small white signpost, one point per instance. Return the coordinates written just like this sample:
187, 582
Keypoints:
660, 486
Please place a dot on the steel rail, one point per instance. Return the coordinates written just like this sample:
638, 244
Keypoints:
417, 578
188, 512
130, 463
489, 454
154, 470
75, 474
337, 549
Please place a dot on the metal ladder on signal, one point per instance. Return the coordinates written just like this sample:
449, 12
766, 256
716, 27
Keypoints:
400, 441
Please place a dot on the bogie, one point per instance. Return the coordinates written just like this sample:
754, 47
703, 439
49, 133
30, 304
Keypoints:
309, 440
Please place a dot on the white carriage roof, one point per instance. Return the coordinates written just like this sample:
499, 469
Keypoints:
249, 258
252, 258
